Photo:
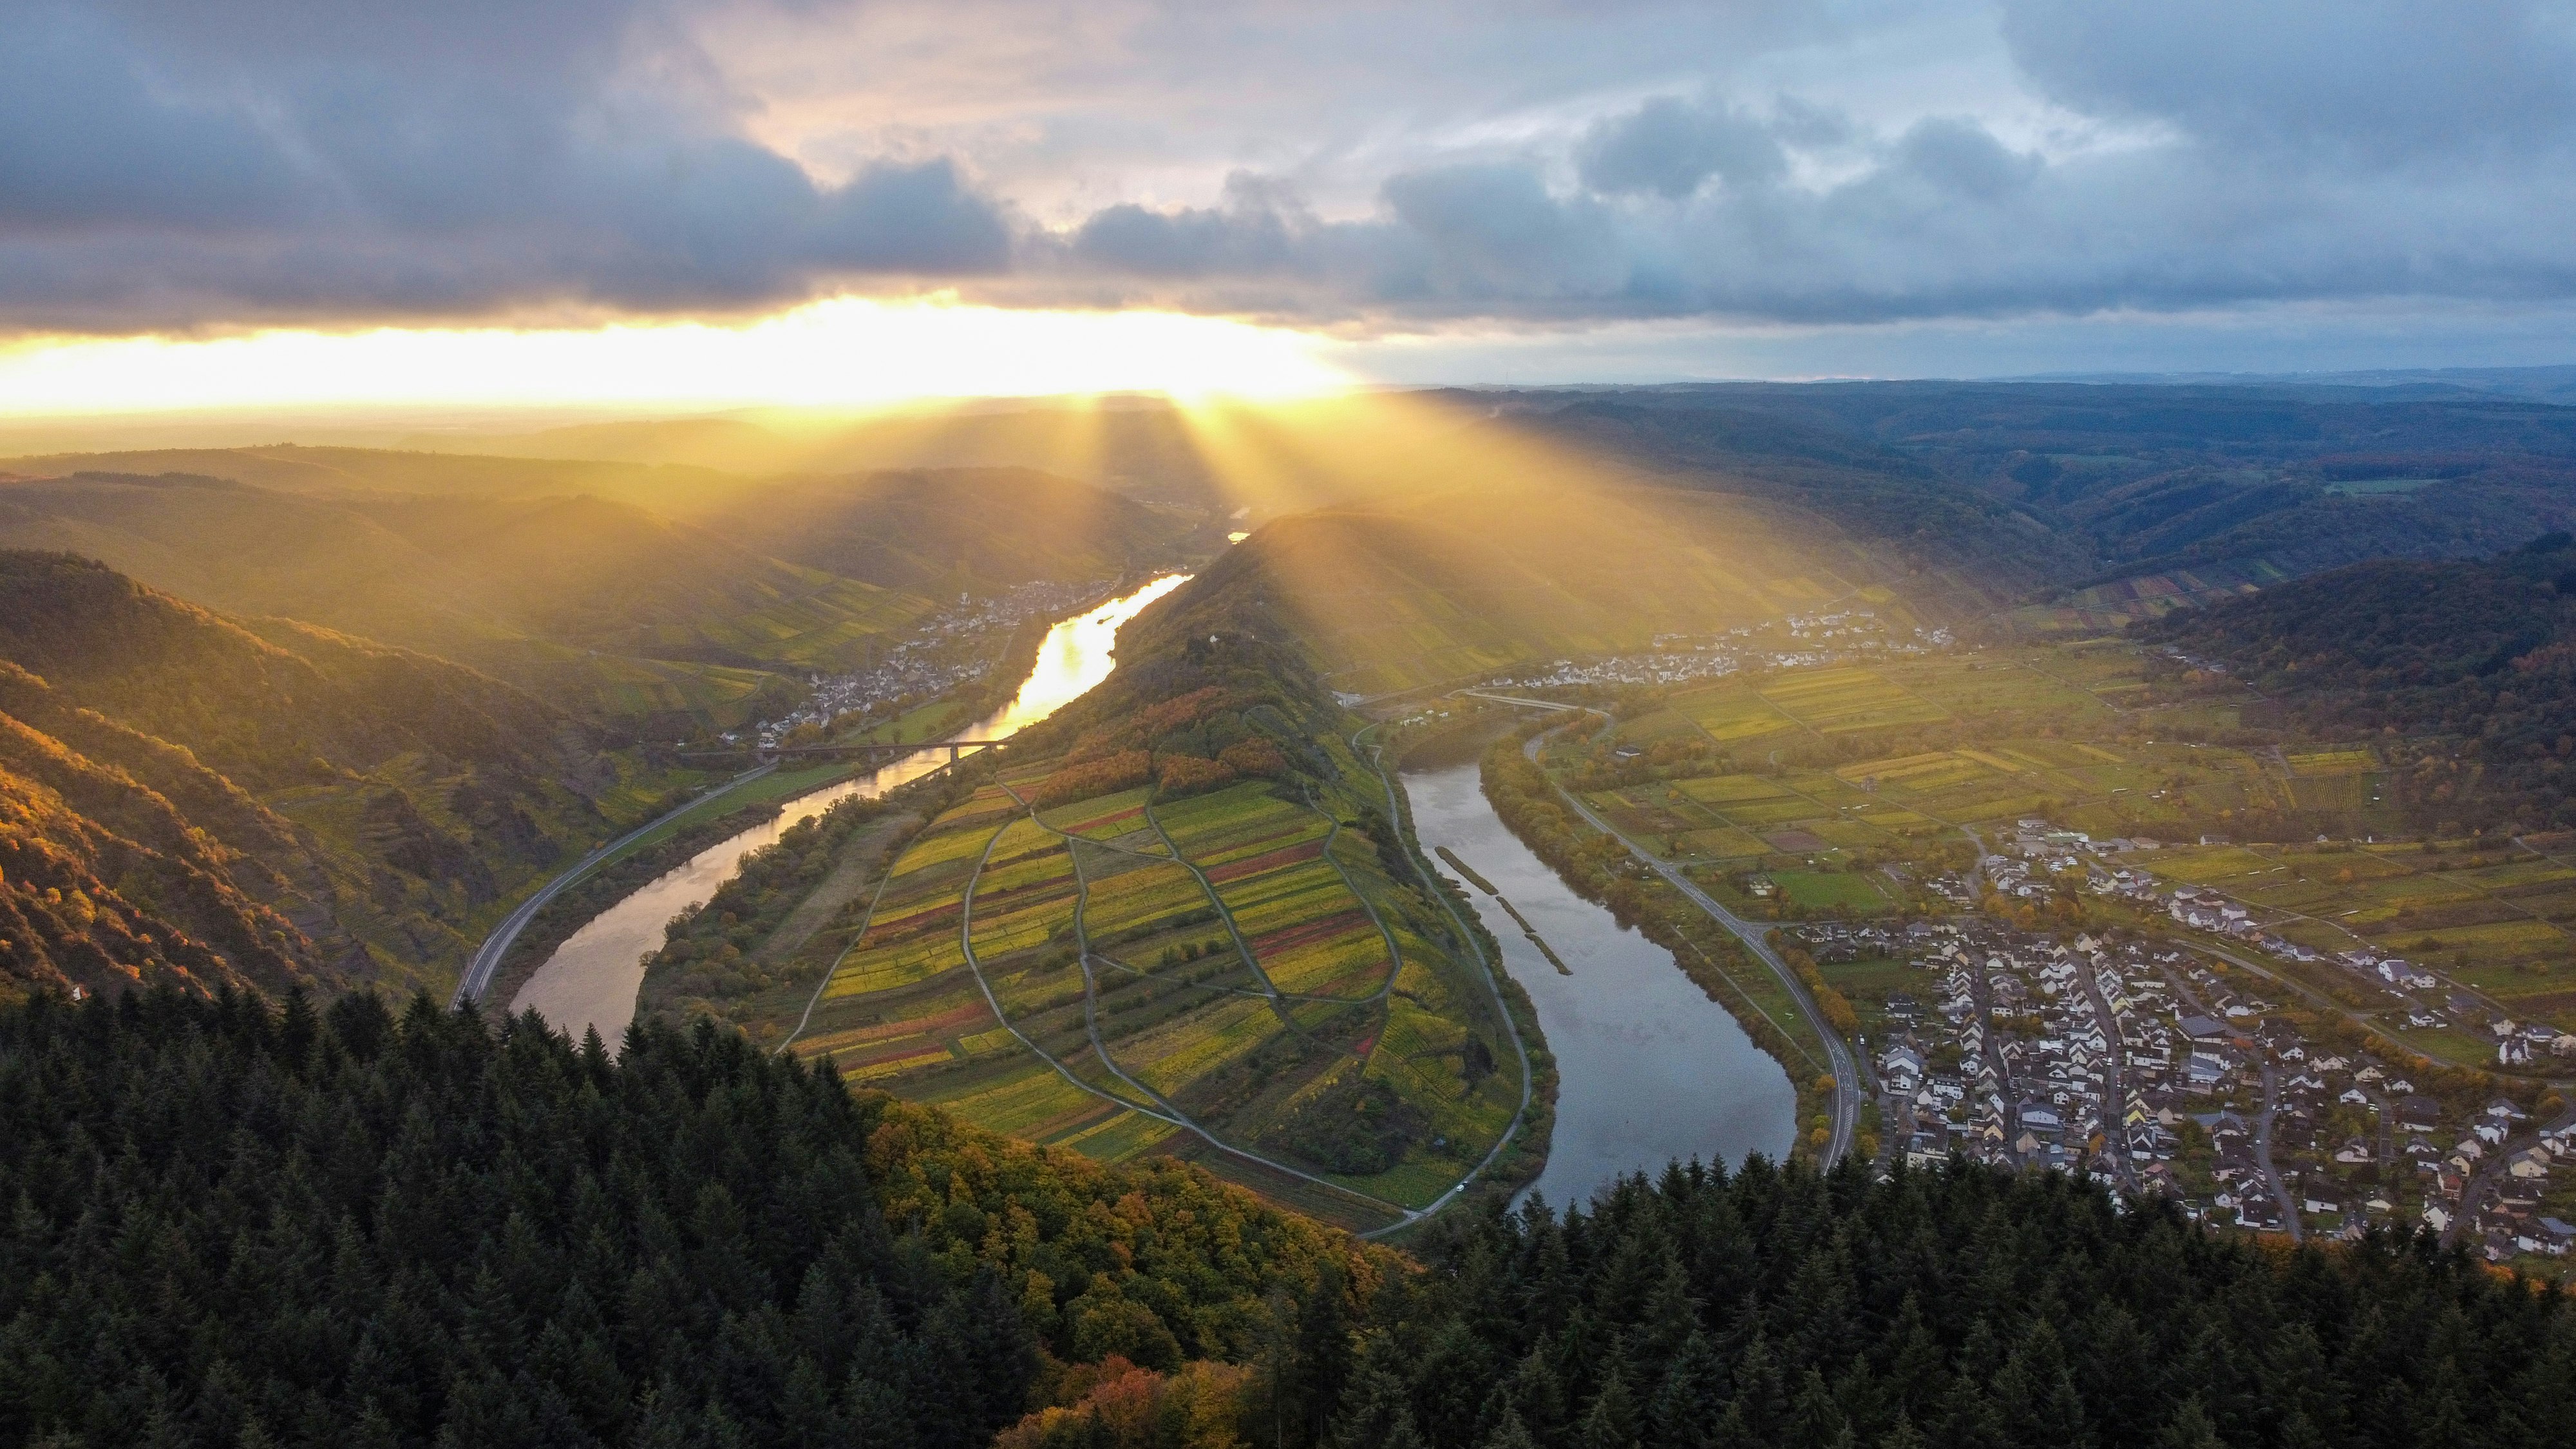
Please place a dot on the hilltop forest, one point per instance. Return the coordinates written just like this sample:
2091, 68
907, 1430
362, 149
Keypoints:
416, 1229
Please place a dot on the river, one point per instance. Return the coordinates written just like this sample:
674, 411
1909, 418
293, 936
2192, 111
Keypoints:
1648, 1068
592, 979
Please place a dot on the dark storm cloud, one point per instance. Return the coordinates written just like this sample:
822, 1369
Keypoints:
1800, 161
225, 161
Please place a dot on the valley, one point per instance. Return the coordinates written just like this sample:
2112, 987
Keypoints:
1586, 789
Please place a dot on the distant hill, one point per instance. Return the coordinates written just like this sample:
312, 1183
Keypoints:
1142, 447
2477, 654
926, 529
188, 799
2095, 483
340, 472
603, 607
1452, 586
657, 622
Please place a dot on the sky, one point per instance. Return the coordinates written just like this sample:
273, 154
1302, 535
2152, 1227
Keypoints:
394, 198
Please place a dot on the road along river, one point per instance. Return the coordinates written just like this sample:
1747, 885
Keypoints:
592, 978
1648, 1068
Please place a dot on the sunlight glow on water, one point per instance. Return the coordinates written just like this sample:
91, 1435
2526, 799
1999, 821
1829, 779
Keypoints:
592, 978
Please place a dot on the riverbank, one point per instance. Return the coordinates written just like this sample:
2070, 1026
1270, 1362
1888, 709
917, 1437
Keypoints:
595, 937
1590, 864
1524, 1154
1648, 1068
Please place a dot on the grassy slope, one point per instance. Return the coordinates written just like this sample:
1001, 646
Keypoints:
1463, 584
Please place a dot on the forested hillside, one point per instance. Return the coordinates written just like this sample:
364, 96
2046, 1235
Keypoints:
194, 802
1962, 1307
2476, 658
422, 1231
417, 1231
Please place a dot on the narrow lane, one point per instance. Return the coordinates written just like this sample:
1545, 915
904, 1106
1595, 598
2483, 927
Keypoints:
2263, 1154
2115, 1078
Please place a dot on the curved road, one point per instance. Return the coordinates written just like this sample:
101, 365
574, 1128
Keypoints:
1844, 1115
487, 957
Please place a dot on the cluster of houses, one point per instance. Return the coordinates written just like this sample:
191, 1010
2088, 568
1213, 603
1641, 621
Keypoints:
2039, 851
2139, 1062
949, 648
1797, 642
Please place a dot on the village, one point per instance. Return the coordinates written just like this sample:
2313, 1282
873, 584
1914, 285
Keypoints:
1797, 641
2162, 1067
945, 650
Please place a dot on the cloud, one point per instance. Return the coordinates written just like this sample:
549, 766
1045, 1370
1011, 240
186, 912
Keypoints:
1328, 163
1669, 146
231, 162
2335, 82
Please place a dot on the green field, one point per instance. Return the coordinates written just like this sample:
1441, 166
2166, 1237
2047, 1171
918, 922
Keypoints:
1822, 888
1241, 951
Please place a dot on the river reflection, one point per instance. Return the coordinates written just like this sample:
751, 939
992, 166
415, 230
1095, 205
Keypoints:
592, 979
1648, 1068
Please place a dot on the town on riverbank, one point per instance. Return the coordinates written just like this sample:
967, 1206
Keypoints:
2085, 906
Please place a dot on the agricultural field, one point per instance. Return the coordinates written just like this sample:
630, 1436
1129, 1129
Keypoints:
1130, 973
2499, 921
1836, 701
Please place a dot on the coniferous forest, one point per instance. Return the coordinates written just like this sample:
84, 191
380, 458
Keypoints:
1963, 1307
241, 1225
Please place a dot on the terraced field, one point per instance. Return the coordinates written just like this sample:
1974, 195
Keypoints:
1120, 975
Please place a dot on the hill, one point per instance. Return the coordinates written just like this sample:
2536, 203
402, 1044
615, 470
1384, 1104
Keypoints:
291, 806
2473, 661
941, 530
339, 472
1459, 584
2120, 499
602, 607
1174, 919
654, 622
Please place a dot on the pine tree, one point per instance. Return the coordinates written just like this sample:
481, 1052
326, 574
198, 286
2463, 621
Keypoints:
1612, 1421
1509, 1434
1376, 1413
